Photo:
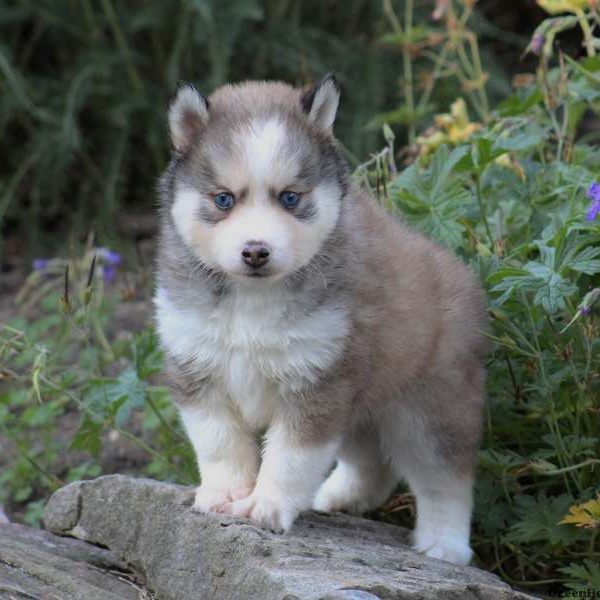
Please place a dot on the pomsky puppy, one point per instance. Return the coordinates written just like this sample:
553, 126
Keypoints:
292, 306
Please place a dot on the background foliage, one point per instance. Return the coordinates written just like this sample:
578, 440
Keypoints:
503, 175
84, 85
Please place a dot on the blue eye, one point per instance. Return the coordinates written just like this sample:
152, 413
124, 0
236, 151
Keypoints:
224, 200
289, 199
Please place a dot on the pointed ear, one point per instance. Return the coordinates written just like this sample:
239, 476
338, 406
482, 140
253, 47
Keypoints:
320, 102
188, 114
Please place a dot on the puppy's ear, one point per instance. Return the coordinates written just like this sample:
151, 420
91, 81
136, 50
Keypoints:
320, 102
188, 114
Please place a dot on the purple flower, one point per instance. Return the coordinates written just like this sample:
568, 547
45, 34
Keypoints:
593, 194
109, 272
537, 43
110, 257
39, 264
110, 263
587, 305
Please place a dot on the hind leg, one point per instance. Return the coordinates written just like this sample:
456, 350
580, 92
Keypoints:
444, 505
362, 479
435, 452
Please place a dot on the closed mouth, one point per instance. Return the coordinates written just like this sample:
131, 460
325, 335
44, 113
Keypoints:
257, 274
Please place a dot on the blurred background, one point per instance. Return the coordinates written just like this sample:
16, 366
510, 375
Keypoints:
84, 85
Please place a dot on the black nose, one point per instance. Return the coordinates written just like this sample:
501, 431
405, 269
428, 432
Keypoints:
256, 254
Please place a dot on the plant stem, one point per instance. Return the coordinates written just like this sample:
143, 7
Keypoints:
136, 440
585, 463
159, 416
588, 36
113, 21
408, 73
479, 197
406, 59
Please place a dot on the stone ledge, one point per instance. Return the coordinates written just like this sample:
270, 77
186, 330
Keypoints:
182, 555
37, 565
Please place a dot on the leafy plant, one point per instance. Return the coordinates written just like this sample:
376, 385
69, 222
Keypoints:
84, 87
67, 363
515, 193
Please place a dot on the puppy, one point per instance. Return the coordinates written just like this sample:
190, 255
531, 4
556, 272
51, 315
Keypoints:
291, 305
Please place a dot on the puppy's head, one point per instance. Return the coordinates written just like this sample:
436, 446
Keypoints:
257, 178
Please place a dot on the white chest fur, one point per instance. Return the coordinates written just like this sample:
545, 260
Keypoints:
250, 346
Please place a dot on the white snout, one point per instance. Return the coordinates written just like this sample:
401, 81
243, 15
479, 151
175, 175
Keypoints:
258, 223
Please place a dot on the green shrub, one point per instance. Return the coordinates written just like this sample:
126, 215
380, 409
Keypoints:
68, 362
516, 195
84, 87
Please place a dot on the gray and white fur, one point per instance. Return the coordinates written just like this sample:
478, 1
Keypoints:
349, 344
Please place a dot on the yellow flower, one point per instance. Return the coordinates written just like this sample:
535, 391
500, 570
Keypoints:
458, 134
503, 160
458, 110
506, 160
460, 129
586, 515
429, 143
443, 120
451, 128
555, 7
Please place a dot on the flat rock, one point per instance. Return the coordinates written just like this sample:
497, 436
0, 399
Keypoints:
36, 565
182, 555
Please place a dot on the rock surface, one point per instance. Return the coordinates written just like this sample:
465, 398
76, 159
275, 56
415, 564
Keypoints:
36, 565
182, 555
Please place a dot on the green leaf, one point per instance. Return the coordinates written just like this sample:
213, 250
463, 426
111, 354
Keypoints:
520, 136
414, 35
499, 462
503, 273
544, 278
539, 518
576, 445
35, 513
115, 398
147, 354
435, 199
442, 164
23, 494
492, 513
585, 261
480, 153
520, 103
552, 292
88, 437
41, 414
85, 470
588, 573
400, 116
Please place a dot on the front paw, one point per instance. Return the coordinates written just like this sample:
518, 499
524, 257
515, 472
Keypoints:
275, 515
210, 499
